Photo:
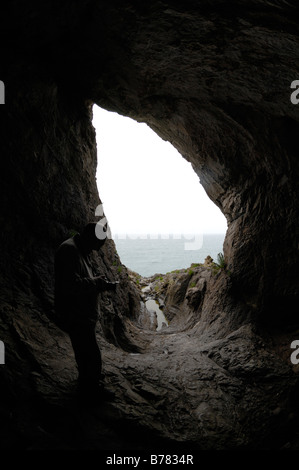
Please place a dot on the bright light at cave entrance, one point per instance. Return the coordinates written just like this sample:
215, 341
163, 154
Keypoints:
145, 185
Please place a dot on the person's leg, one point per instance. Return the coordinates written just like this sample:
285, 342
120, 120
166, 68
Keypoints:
87, 355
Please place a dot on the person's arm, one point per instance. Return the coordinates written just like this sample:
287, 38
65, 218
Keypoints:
67, 273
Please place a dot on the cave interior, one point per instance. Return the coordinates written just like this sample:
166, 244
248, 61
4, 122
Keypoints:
213, 79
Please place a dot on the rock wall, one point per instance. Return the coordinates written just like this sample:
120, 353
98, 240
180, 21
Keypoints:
213, 79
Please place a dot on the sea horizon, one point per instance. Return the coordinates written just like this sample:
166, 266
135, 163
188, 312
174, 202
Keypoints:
150, 254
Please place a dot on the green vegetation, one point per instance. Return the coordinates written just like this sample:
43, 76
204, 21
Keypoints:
221, 263
189, 271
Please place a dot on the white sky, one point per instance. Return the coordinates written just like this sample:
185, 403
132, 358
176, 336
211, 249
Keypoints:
145, 185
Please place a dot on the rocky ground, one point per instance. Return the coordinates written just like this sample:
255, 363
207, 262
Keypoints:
179, 291
205, 381
196, 385
191, 386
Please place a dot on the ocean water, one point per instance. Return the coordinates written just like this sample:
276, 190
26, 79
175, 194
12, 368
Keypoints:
149, 255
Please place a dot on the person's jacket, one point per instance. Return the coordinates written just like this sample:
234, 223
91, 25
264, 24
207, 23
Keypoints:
76, 287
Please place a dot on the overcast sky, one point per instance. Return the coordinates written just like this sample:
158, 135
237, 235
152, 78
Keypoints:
145, 185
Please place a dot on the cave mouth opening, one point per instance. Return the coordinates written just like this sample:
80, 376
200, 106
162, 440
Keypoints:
150, 194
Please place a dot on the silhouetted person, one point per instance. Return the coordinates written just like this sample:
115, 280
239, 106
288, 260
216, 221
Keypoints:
76, 303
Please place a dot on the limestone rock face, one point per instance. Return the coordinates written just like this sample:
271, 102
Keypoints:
215, 82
